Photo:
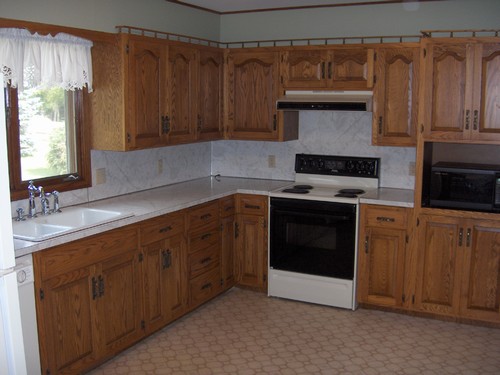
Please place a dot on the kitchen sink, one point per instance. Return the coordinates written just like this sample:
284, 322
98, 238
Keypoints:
71, 219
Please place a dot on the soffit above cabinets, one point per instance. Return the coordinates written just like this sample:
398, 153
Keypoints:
246, 6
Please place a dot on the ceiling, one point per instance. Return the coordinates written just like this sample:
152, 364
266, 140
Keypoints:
245, 6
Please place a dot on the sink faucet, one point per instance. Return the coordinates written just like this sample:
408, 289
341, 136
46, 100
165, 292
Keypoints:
56, 208
31, 199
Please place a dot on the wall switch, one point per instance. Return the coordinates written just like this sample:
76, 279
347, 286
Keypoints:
160, 166
411, 168
271, 161
100, 176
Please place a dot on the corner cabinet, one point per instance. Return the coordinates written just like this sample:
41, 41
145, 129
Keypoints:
252, 86
460, 95
395, 96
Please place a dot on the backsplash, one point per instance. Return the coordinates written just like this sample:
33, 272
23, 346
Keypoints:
334, 133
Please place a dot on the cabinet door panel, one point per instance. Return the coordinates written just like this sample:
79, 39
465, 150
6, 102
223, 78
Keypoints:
176, 279
305, 69
252, 253
481, 283
227, 250
351, 69
209, 121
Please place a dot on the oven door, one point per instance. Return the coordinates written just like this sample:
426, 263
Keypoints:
313, 237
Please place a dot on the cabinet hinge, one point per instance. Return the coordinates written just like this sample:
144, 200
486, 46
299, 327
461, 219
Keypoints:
403, 298
42, 294
374, 79
222, 227
418, 221
221, 282
141, 257
407, 238
264, 277
128, 137
264, 223
413, 299
425, 52
421, 128
236, 230
127, 49
143, 324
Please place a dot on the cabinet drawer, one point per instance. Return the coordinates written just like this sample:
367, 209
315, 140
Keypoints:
385, 216
227, 206
203, 238
252, 204
204, 287
162, 227
203, 214
203, 260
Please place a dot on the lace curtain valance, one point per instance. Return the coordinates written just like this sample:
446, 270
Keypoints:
28, 60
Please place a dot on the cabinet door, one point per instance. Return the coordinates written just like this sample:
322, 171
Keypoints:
176, 276
252, 251
448, 90
305, 69
146, 93
395, 97
227, 251
481, 272
351, 69
381, 268
209, 121
253, 87
66, 314
182, 83
120, 301
439, 265
486, 111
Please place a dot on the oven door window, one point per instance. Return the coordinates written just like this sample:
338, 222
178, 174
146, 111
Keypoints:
319, 240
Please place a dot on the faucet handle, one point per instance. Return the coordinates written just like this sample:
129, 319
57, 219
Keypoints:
20, 214
56, 208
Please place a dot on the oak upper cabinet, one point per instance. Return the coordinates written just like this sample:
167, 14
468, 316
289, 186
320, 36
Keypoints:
211, 79
165, 281
332, 68
89, 301
460, 90
395, 96
251, 241
252, 88
459, 267
382, 252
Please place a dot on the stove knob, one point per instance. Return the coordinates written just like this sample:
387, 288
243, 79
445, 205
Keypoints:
349, 165
360, 166
321, 164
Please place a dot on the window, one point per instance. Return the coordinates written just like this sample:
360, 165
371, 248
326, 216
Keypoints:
46, 140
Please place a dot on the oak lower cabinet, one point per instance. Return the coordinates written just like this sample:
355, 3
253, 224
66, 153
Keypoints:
165, 281
458, 270
382, 252
227, 207
251, 241
88, 303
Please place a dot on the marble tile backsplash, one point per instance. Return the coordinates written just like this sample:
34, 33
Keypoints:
335, 133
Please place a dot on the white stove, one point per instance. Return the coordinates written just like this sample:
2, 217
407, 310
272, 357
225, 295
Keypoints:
314, 229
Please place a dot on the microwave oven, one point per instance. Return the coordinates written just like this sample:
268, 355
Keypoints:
464, 186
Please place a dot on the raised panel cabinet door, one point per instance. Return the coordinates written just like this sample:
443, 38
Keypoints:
395, 97
227, 259
439, 264
209, 120
146, 93
448, 94
119, 285
383, 266
66, 316
351, 69
177, 276
486, 110
182, 83
253, 86
481, 272
305, 69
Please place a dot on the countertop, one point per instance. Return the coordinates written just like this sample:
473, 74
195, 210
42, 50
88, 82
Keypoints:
159, 201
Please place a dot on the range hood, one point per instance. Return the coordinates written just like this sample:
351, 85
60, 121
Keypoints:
325, 101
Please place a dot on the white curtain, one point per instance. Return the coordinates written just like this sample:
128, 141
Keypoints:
30, 60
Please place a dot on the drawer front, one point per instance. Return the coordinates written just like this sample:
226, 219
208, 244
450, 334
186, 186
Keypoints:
162, 227
204, 260
203, 215
252, 204
203, 238
227, 206
386, 217
204, 287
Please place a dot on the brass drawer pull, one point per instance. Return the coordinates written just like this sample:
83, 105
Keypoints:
206, 286
166, 229
252, 206
206, 260
229, 208
386, 219
206, 216
206, 236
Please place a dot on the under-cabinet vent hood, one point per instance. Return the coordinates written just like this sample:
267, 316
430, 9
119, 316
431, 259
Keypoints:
325, 101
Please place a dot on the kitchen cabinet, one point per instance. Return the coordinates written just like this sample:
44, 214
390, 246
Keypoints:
459, 267
251, 241
228, 241
165, 281
89, 300
382, 252
252, 86
338, 68
395, 96
459, 95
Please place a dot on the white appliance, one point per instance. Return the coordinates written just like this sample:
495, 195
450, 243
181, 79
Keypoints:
12, 353
313, 229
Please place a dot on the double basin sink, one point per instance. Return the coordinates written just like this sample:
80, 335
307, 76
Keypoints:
71, 219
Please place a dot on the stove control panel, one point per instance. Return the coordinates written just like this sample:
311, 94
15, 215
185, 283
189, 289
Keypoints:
334, 165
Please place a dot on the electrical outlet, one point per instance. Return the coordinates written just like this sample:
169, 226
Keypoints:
100, 176
160, 166
411, 168
271, 161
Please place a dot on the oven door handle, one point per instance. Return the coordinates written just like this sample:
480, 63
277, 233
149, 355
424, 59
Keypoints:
315, 214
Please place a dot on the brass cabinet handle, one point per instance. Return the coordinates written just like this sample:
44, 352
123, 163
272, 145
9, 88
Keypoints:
166, 256
206, 286
468, 235
206, 216
386, 219
252, 206
166, 229
206, 260
366, 244
206, 236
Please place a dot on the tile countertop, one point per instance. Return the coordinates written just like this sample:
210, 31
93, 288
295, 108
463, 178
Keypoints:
159, 201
